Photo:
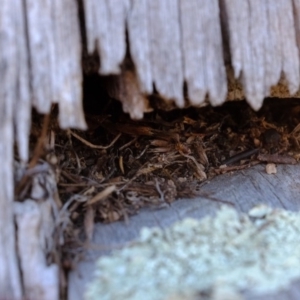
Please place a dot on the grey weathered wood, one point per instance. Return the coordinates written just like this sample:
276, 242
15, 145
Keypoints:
257, 39
166, 55
40, 36
139, 41
240, 45
106, 24
273, 60
296, 4
244, 189
215, 69
10, 284
55, 59
40, 280
262, 44
22, 107
68, 80
290, 52
204, 68
194, 56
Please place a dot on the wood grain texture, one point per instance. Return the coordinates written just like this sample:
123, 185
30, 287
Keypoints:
106, 28
244, 189
290, 52
139, 43
34, 229
193, 18
40, 36
215, 69
166, 49
263, 44
273, 61
10, 282
68, 76
22, 107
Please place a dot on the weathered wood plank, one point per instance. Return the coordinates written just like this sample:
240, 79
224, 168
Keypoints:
273, 60
262, 44
194, 55
258, 88
41, 282
22, 107
166, 55
106, 24
40, 36
244, 189
139, 43
10, 282
204, 68
216, 74
68, 76
290, 52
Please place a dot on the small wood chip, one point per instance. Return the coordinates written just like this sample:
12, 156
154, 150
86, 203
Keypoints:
102, 195
271, 169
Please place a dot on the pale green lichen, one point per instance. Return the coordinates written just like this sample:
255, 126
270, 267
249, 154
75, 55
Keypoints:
228, 251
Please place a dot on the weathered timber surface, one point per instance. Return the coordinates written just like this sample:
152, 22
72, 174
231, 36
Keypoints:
10, 281
244, 189
262, 46
54, 48
204, 69
105, 23
35, 228
171, 42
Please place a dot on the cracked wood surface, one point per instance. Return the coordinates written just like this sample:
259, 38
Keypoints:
244, 189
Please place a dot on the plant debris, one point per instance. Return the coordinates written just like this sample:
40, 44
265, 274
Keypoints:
168, 155
119, 166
